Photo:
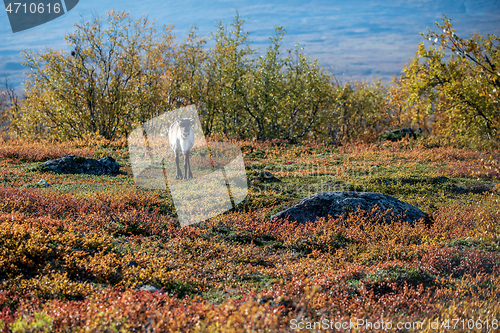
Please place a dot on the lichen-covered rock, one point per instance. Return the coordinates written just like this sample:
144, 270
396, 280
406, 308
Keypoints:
78, 164
338, 203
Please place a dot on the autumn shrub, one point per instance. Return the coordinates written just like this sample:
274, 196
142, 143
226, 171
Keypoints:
73, 260
97, 212
25, 151
455, 96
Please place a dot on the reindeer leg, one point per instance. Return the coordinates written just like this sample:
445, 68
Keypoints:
186, 164
190, 174
178, 172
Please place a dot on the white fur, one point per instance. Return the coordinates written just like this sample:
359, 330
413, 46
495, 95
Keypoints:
177, 142
182, 141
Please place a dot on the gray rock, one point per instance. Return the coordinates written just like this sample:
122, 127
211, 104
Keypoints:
34, 185
150, 288
267, 177
338, 203
77, 164
43, 182
262, 177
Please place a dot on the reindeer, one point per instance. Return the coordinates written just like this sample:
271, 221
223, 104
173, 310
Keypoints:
181, 139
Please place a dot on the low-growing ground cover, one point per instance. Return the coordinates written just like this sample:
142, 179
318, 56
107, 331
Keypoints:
74, 256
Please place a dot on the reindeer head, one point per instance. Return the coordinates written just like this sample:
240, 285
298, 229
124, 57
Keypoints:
185, 125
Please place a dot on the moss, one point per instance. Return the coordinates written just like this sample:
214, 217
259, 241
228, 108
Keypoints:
40, 323
232, 235
79, 159
180, 288
412, 276
37, 167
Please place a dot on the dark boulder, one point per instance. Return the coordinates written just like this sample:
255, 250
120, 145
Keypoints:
267, 177
338, 203
78, 164
263, 177
398, 134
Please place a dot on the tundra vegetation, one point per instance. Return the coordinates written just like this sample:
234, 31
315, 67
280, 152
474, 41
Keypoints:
74, 256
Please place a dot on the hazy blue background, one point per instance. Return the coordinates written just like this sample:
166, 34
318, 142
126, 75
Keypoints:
356, 40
